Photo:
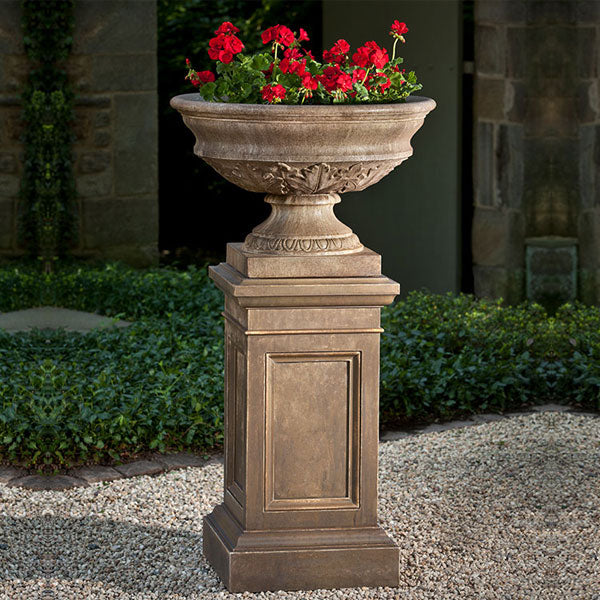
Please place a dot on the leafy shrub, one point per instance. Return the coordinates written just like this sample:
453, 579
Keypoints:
158, 384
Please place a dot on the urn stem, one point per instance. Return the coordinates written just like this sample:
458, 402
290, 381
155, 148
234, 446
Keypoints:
300, 225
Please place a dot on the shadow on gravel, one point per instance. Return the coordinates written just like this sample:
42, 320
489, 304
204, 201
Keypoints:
133, 558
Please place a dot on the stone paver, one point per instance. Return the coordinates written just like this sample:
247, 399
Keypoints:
96, 473
140, 467
45, 483
179, 460
8, 473
52, 317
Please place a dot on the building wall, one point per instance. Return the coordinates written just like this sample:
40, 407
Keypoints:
536, 155
113, 71
412, 216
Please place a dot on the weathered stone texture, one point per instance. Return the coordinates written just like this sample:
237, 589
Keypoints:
489, 50
136, 133
114, 62
113, 70
498, 238
537, 151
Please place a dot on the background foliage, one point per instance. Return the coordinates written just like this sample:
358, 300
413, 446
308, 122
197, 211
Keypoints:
47, 187
69, 397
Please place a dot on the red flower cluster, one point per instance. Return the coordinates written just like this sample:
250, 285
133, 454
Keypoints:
201, 77
370, 55
338, 53
334, 79
297, 67
279, 34
225, 45
273, 93
398, 28
292, 74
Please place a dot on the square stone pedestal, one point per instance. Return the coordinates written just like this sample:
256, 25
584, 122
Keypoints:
301, 424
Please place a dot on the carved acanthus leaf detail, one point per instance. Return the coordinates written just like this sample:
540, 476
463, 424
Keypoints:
317, 178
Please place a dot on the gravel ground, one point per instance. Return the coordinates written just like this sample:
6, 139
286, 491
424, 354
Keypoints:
506, 510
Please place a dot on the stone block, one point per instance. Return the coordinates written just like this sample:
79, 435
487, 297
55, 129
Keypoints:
516, 52
489, 98
179, 461
95, 185
13, 125
489, 49
588, 107
102, 119
123, 72
120, 222
93, 162
589, 239
589, 286
136, 144
587, 52
79, 70
8, 473
9, 185
102, 139
514, 98
550, 11
551, 271
140, 467
587, 166
115, 27
587, 11
8, 163
7, 223
498, 238
509, 166
82, 126
93, 100
47, 483
96, 473
551, 117
497, 282
11, 40
500, 11
483, 167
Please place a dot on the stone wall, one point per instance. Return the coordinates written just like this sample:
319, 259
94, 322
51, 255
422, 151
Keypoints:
536, 123
113, 71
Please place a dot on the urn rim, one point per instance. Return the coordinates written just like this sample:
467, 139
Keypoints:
194, 106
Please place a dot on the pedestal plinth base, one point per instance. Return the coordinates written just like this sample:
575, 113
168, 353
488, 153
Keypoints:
298, 559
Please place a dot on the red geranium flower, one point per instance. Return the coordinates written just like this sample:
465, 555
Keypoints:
227, 27
205, 76
292, 53
334, 78
280, 34
224, 47
309, 82
273, 93
303, 36
370, 55
398, 28
338, 52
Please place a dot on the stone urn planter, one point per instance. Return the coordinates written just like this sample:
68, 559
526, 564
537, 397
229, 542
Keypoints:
302, 327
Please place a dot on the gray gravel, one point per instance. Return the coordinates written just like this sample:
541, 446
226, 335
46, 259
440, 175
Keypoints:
507, 510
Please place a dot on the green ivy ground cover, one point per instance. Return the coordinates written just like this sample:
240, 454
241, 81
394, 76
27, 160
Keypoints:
70, 398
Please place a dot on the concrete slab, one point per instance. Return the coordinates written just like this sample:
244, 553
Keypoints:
53, 317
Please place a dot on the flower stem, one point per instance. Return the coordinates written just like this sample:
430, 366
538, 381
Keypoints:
365, 77
394, 49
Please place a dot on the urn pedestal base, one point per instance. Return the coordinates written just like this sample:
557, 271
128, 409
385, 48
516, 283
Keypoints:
301, 425
298, 559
